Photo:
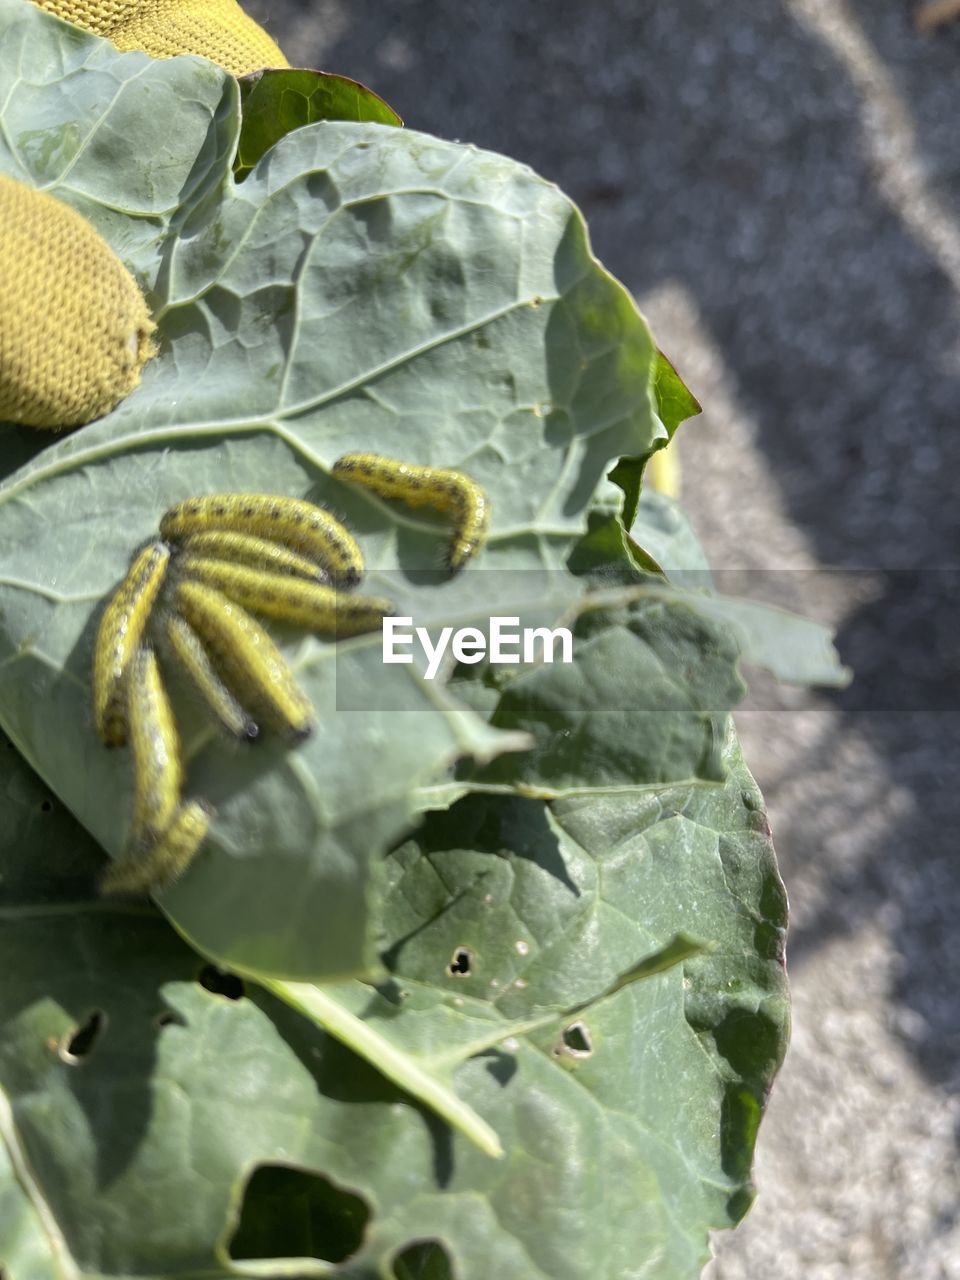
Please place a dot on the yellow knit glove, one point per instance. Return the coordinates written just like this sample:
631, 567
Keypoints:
74, 326
214, 29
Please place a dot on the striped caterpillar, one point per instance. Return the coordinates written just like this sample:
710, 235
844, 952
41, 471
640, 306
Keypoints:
187, 651
288, 599
296, 525
245, 657
118, 639
165, 860
450, 492
155, 744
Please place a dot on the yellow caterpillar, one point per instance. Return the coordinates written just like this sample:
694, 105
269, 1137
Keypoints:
186, 648
75, 330
299, 525
255, 553
246, 658
305, 604
214, 29
165, 860
118, 639
450, 492
155, 743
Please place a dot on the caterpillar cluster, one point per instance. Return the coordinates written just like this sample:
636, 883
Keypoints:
187, 603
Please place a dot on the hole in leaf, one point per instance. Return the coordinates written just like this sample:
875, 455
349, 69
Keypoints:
78, 1043
576, 1041
425, 1260
168, 1018
46, 806
290, 1213
461, 964
220, 982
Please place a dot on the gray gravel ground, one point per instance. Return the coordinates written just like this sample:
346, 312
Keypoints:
778, 183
